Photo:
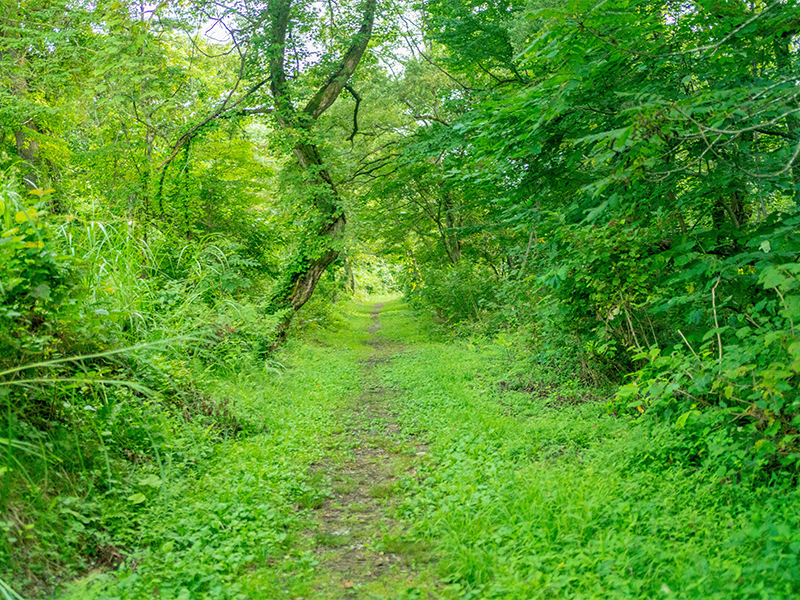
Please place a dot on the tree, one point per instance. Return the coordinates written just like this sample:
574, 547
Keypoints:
322, 243
43, 49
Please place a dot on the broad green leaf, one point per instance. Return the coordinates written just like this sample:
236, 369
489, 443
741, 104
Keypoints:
151, 481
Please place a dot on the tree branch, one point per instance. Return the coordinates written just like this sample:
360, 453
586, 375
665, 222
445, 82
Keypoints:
357, 98
279, 11
430, 118
187, 137
782, 134
328, 93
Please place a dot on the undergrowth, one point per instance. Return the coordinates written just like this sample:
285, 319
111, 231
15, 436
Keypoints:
234, 516
113, 341
531, 493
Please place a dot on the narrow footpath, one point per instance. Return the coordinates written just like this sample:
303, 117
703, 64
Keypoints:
357, 538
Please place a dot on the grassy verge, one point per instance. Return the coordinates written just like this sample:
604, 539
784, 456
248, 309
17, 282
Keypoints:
224, 530
487, 487
526, 498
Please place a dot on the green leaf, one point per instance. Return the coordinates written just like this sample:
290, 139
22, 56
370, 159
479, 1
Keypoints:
137, 498
620, 143
772, 277
41, 291
628, 390
792, 310
151, 480
595, 212
681, 422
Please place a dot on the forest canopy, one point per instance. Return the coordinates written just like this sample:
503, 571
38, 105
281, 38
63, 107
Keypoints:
612, 188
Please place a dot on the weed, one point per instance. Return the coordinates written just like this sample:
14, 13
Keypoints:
334, 539
345, 487
411, 549
382, 490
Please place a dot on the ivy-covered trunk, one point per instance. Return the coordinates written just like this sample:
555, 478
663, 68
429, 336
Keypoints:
321, 244
318, 251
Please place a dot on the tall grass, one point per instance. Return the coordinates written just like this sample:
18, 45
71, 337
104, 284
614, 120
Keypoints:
115, 404
540, 493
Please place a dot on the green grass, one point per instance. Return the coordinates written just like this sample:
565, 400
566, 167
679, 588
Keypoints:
344, 486
514, 496
399, 324
382, 490
248, 503
572, 503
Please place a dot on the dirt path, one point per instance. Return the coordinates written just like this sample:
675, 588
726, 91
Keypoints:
359, 543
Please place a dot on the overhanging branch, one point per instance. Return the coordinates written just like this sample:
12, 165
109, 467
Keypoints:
357, 98
328, 93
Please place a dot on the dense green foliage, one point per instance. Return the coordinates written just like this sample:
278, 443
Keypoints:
626, 179
532, 490
143, 238
605, 193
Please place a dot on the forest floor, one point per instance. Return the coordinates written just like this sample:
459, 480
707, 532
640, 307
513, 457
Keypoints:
356, 537
394, 467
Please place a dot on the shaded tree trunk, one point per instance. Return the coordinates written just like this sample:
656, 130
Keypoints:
348, 273
449, 236
783, 60
300, 282
322, 244
25, 132
28, 150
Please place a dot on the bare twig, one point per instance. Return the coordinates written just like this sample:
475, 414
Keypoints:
716, 320
527, 250
430, 118
416, 47
786, 307
357, 98
688, 345
623, 307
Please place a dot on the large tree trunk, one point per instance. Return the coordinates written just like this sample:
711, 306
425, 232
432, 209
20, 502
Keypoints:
25, 131
301, 282
449, 235
322, 246
783, 59
28, 150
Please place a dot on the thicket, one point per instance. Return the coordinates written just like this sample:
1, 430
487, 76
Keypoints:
149, 225
124, 359
108, 343
616, 184
611, 187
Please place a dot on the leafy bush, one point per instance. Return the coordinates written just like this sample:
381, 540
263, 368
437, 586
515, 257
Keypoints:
109, 340
39, 291
731, 387
464, 292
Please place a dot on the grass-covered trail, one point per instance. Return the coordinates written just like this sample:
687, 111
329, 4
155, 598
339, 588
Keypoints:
396, 467
356, 536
